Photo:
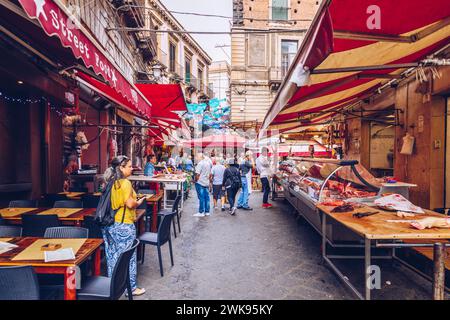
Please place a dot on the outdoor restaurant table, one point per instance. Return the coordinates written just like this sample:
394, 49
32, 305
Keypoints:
74, 219
155, 201
375, 229
73, 195
67, 268
164, 180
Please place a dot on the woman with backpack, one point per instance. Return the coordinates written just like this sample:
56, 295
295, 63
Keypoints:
120, 235
232, 183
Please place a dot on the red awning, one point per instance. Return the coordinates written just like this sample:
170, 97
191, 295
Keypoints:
54, 19
108, 92
387, 36
217, 141
166, 99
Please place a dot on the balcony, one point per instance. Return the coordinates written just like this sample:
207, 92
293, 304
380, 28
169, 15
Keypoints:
276, 76
209, 92
176, 70
192, 81
133, 12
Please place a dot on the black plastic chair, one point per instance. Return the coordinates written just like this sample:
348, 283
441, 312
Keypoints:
23, 204
2, 221
104, 288
49, 199
158, 239
90, 201
176, 210
10, 231
95, 232
73, 204
34, 225
18, 283
66, 233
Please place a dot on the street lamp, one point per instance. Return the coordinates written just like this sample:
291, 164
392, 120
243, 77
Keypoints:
157, 71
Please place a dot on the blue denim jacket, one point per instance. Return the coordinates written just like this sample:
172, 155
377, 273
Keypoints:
149, 169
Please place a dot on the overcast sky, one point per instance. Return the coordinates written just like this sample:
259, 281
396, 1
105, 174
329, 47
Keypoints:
196, 23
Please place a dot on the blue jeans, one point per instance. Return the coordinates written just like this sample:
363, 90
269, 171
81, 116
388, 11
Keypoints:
243, 198
203, 197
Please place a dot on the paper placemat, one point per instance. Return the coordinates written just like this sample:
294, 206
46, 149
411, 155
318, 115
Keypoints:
5, 239
12, 212
34, 252
61, 212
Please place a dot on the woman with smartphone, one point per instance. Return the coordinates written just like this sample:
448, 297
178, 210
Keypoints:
121, 235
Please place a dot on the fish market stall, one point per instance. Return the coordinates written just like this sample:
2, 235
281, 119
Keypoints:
382, 229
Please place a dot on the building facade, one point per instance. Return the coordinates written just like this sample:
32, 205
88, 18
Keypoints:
260, 61
219, 80
182, 59
62, 91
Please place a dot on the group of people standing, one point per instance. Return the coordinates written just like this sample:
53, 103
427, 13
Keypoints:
225, 177
222, 176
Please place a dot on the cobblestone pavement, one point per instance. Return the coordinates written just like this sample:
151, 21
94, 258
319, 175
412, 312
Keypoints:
261, 254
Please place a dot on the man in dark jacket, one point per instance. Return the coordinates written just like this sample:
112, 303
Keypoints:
232, 183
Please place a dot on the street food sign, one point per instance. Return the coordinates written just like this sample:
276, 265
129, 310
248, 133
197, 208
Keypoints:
55, 21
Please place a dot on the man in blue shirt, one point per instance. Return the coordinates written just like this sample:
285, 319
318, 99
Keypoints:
150, 166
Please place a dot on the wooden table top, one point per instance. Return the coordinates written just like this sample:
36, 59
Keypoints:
73, 195
77, 216
375, 226
156, 197
86, 250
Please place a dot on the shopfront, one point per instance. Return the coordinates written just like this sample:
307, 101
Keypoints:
57, 122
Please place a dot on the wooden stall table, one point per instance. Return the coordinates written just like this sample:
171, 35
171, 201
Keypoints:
68, 217
155, 202
376, 229
87, 248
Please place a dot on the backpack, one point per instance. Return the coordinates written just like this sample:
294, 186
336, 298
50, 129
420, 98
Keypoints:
234, 180
104, 215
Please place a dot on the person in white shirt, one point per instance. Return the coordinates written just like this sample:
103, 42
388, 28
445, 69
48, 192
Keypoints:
202, 174
217, 173
265, 173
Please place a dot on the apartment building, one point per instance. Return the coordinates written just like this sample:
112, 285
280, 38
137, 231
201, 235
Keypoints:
181, 58
260, 61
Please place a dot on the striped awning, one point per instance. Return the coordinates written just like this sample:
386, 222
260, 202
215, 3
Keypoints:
351, 49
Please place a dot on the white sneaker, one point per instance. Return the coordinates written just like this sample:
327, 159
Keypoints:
199, 215
207, 214
233, 211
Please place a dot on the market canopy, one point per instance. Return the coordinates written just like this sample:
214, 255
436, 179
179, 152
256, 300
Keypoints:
167, 101
217, 141
54, 18
105, 90
351, 49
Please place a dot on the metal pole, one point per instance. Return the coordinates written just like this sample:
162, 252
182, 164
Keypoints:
439, 271
367, 268
324, 234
